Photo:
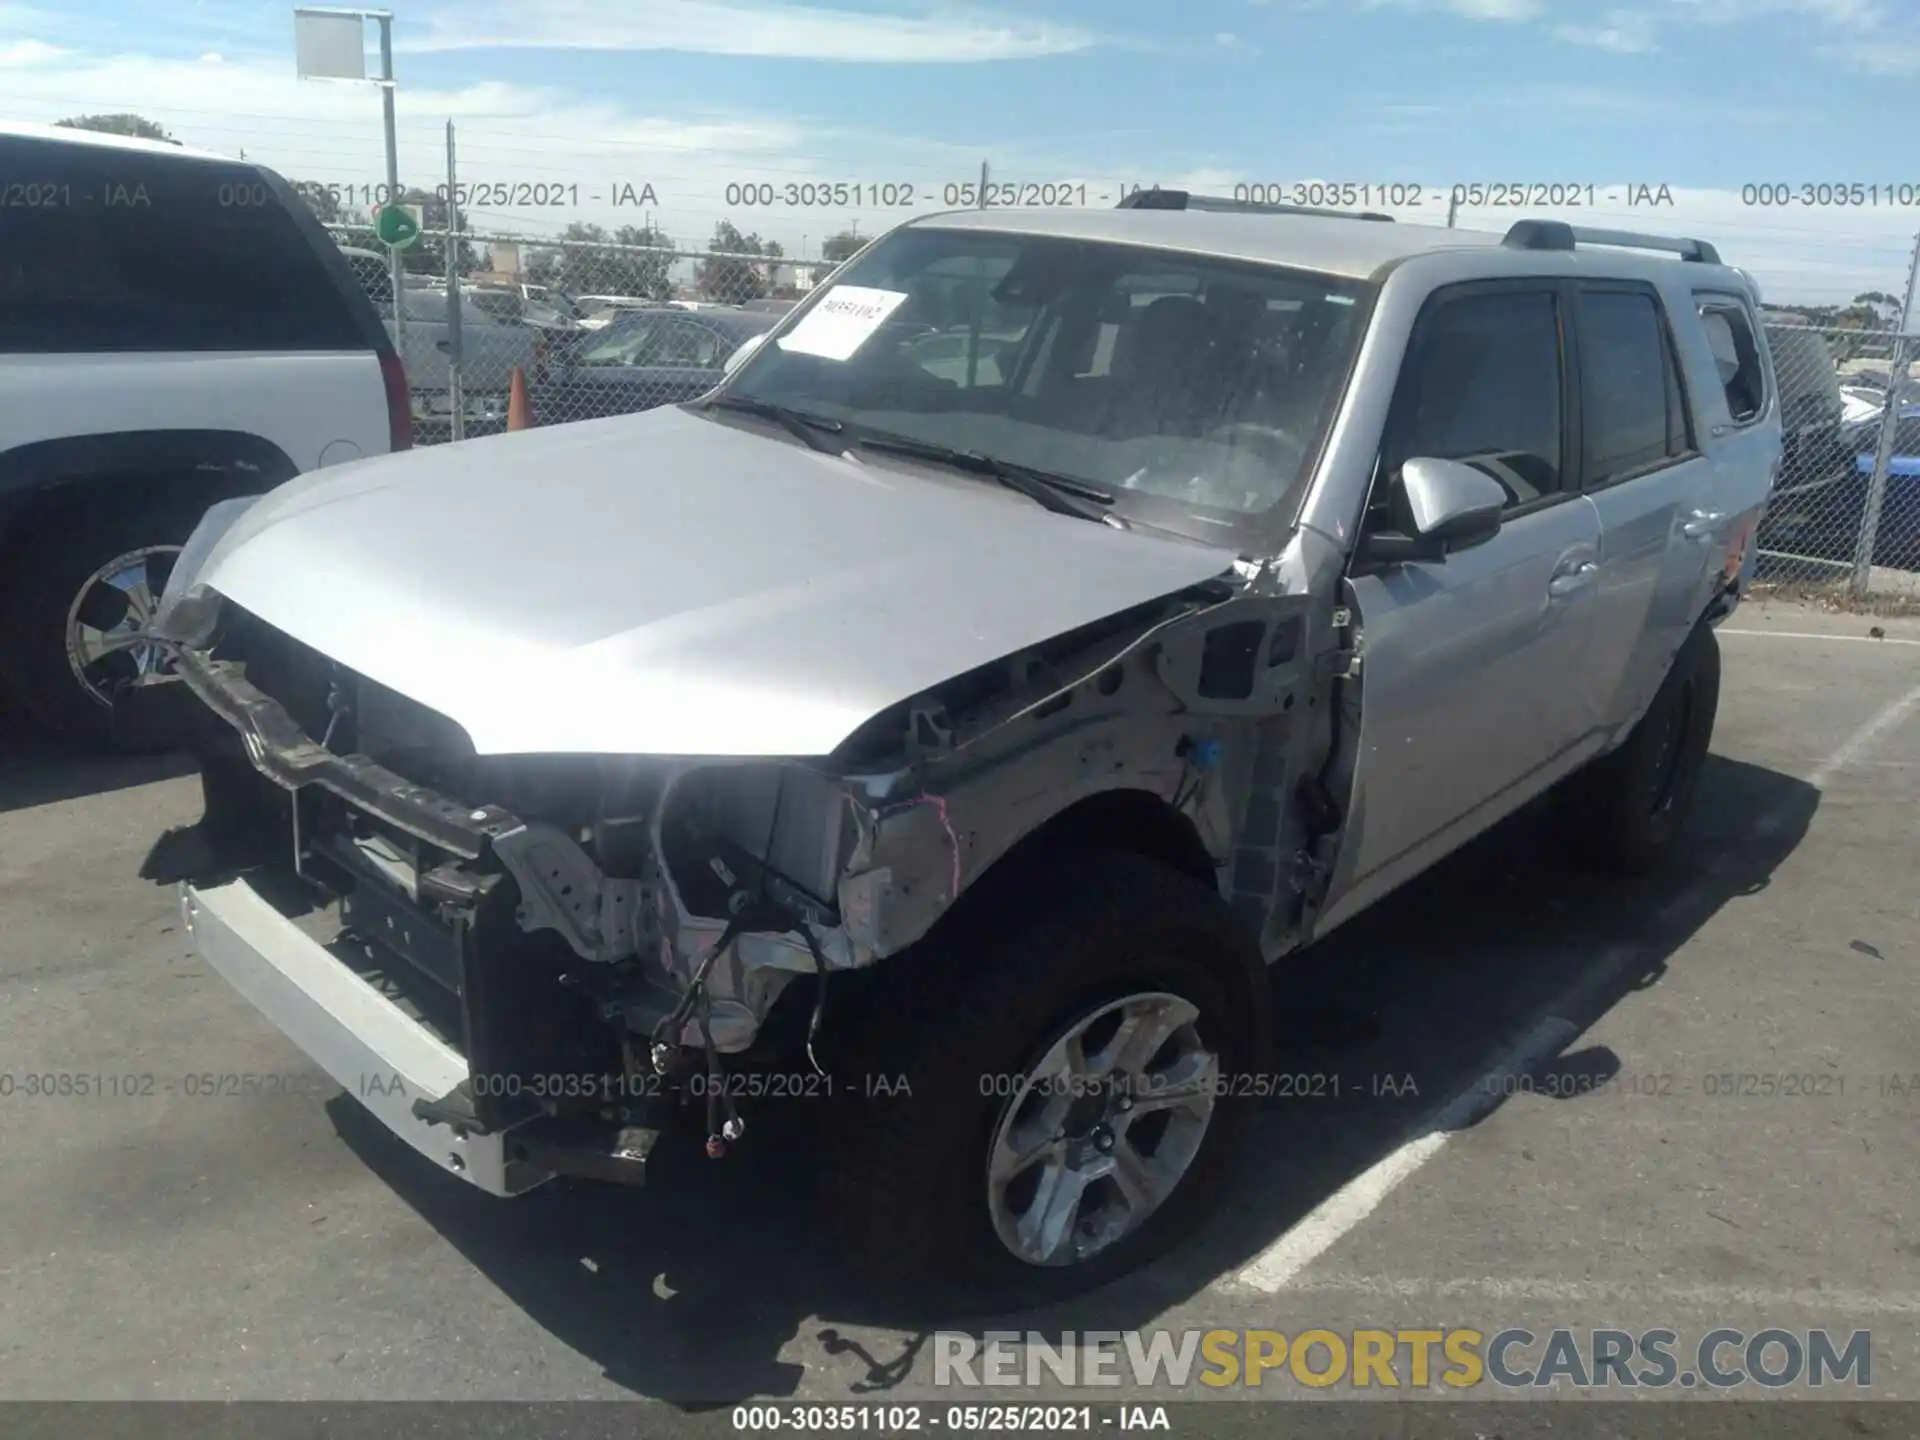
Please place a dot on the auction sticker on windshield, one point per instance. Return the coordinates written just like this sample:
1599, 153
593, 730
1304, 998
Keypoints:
840, 324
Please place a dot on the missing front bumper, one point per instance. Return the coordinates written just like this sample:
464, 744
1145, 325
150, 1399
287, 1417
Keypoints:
372, 1048
400, 1071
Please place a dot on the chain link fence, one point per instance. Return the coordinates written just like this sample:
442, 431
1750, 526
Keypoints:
594, 328
1845, 515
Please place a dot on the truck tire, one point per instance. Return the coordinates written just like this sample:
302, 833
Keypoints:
1624, 811
954, 1075
81, 579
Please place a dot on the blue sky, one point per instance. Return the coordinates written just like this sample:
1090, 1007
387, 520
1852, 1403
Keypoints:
690, 95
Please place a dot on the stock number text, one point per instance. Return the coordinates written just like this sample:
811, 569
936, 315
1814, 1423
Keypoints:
1811, 197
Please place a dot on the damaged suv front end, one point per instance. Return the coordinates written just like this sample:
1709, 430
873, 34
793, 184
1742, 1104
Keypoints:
545, 813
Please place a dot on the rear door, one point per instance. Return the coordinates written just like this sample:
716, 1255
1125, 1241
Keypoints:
1643, 468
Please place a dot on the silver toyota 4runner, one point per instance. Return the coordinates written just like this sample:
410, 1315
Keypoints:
931, 736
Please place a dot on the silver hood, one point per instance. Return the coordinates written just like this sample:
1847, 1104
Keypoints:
669, 584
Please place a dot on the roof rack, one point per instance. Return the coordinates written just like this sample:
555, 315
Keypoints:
1558, 235
1157, 199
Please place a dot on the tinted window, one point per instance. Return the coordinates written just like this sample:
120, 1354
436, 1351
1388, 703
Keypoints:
127, 251
1624, 384
1736, 356
684, 343
623, 342
1481, 383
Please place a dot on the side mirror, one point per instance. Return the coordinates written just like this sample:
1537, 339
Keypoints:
741, 352
1446, 505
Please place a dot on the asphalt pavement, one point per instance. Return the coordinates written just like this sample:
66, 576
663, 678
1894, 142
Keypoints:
1690, 1101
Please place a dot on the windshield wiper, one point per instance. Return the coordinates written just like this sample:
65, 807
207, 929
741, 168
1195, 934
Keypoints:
1062, 494
813, 429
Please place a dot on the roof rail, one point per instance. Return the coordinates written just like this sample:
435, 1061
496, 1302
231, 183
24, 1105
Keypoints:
1157, 199
1558, 235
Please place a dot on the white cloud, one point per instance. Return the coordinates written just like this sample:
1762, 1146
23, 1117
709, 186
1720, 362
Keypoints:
1625, 32
1495, 9
28, 52
1876, 57
1849, 14
1500, 10
213, 57
747, 27
1860, 35
583, 150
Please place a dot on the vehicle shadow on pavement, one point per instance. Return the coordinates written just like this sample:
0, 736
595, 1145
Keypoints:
38, 769
688, 1291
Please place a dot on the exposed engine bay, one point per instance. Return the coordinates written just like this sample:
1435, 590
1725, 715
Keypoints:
643, 922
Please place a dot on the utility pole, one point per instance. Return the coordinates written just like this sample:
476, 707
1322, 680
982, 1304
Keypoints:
330, 44
395, 269
456, 392
1862, 578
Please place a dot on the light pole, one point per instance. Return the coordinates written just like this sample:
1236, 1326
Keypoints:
331, 44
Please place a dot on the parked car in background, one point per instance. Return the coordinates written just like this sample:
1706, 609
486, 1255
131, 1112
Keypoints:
1823, 522
596, 310
641, 359
492, 347
175, 330
1811, 406
1860, 402
513, 305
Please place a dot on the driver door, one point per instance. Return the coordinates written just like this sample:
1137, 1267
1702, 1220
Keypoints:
1471, 694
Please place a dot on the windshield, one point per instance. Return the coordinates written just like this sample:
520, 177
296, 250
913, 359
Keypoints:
1194, 389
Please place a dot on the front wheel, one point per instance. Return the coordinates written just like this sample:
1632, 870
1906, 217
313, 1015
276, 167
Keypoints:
1625, 810
1057, 1106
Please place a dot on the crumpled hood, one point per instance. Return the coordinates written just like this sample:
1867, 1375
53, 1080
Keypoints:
670, 584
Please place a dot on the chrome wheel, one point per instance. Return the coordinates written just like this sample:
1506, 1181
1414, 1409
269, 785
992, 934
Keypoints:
1101, 1130
107, 623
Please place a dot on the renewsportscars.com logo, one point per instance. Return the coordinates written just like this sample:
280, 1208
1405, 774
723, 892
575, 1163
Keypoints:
1455, 1357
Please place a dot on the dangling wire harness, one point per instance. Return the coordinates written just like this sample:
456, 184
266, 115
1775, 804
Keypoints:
755, 914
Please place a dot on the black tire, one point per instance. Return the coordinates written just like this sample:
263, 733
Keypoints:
1625, 811
50, 565
906, 1182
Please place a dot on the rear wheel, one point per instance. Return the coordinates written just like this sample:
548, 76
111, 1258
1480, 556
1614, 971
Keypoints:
1625, 810
74, 613
1042, 1112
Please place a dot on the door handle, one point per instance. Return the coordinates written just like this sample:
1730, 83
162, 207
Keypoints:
1573, 581
1701, 524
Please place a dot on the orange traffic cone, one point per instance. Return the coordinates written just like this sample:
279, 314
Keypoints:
519, 412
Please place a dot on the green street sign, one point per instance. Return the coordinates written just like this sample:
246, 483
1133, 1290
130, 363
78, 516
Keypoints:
396, 226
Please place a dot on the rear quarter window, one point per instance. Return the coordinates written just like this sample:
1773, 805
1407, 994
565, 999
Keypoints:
103, 249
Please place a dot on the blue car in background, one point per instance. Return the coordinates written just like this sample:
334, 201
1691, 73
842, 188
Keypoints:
1820, 517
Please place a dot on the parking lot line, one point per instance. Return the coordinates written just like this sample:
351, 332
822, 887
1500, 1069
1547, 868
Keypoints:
1579, 1292
1856, 745
1276, 1267
1816, 635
